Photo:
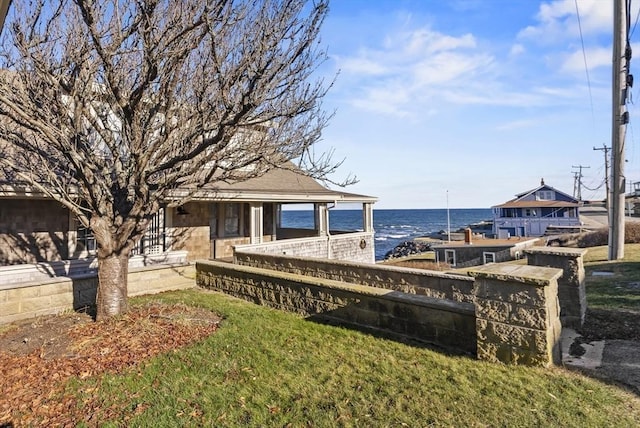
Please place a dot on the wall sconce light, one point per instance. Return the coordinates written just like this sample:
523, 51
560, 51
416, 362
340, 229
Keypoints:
182, 211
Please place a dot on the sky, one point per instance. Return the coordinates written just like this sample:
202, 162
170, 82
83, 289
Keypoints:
466, 103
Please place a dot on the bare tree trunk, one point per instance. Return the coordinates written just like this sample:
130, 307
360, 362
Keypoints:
112, 287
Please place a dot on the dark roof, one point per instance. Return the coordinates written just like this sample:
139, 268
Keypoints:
518, 201
280, 184
543, 186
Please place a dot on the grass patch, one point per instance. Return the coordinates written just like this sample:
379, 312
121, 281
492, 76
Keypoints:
613, 284
269, 368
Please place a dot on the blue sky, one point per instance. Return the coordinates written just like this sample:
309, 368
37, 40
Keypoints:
477, 98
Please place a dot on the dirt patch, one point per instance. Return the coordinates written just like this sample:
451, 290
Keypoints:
40, 355
609, 324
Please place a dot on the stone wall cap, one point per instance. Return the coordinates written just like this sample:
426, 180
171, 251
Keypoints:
557, 251
534, 275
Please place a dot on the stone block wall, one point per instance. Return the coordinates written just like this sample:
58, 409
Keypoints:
414, 281
357, 247
446, 323
513, 309
54, 295
518, 314
32, 231
571, 286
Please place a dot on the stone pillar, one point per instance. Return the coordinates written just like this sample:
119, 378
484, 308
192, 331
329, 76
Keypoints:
571, 288
517, 314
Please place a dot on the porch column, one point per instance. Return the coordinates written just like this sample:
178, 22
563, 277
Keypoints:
367, 217
72, 236
322, 219
168, 228
256, 218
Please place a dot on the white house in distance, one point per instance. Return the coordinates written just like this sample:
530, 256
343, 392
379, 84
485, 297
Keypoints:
532, 212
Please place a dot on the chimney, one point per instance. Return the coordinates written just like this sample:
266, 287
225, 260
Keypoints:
542, 181
467, 236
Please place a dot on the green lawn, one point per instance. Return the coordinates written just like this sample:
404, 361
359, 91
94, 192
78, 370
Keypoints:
613, 284
267, 368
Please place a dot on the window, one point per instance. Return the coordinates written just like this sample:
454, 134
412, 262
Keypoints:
450, 257
85, 241
545, 195
232, 220
488, 257
530, 212
153, 241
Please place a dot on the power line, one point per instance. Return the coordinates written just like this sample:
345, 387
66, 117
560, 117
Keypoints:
605, 149
636, 22
584, 58
577, 181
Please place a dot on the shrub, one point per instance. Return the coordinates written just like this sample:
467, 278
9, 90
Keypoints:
601, 236
595, 238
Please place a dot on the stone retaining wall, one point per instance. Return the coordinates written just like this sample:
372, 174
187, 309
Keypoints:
571, 287
434, 284
442, 322
512, 309
54, 295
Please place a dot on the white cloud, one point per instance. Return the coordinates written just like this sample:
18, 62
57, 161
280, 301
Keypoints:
361, 65
517, 49
408, 67
390, 98
596, 57
448, 67
558, 20
418, 69
423, 41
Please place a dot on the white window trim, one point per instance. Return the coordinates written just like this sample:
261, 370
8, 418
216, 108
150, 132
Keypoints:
488, 254
451, 253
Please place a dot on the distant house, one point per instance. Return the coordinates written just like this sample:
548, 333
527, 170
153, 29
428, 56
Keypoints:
477, 250
533, 212
37, 230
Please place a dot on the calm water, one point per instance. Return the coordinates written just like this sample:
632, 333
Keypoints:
392, 226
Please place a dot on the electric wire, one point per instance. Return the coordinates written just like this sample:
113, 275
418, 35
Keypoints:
584, 57
635, 23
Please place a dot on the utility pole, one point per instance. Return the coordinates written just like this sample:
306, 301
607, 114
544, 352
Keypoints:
619, 118
577, 181
606, 173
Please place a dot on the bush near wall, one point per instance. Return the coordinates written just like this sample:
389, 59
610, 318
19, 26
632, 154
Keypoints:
601, 236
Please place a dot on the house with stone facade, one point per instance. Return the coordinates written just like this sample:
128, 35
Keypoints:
37, 230
532, 212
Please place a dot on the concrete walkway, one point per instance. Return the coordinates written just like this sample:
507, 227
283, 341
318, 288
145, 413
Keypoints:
613, 360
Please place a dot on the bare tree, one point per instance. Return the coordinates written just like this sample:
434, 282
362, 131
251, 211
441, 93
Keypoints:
110, 106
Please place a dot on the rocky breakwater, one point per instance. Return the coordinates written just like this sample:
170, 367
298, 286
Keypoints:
408, 248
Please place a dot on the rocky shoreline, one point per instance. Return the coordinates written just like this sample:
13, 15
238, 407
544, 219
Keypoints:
423, 244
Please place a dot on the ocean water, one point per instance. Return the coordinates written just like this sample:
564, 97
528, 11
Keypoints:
392, 227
